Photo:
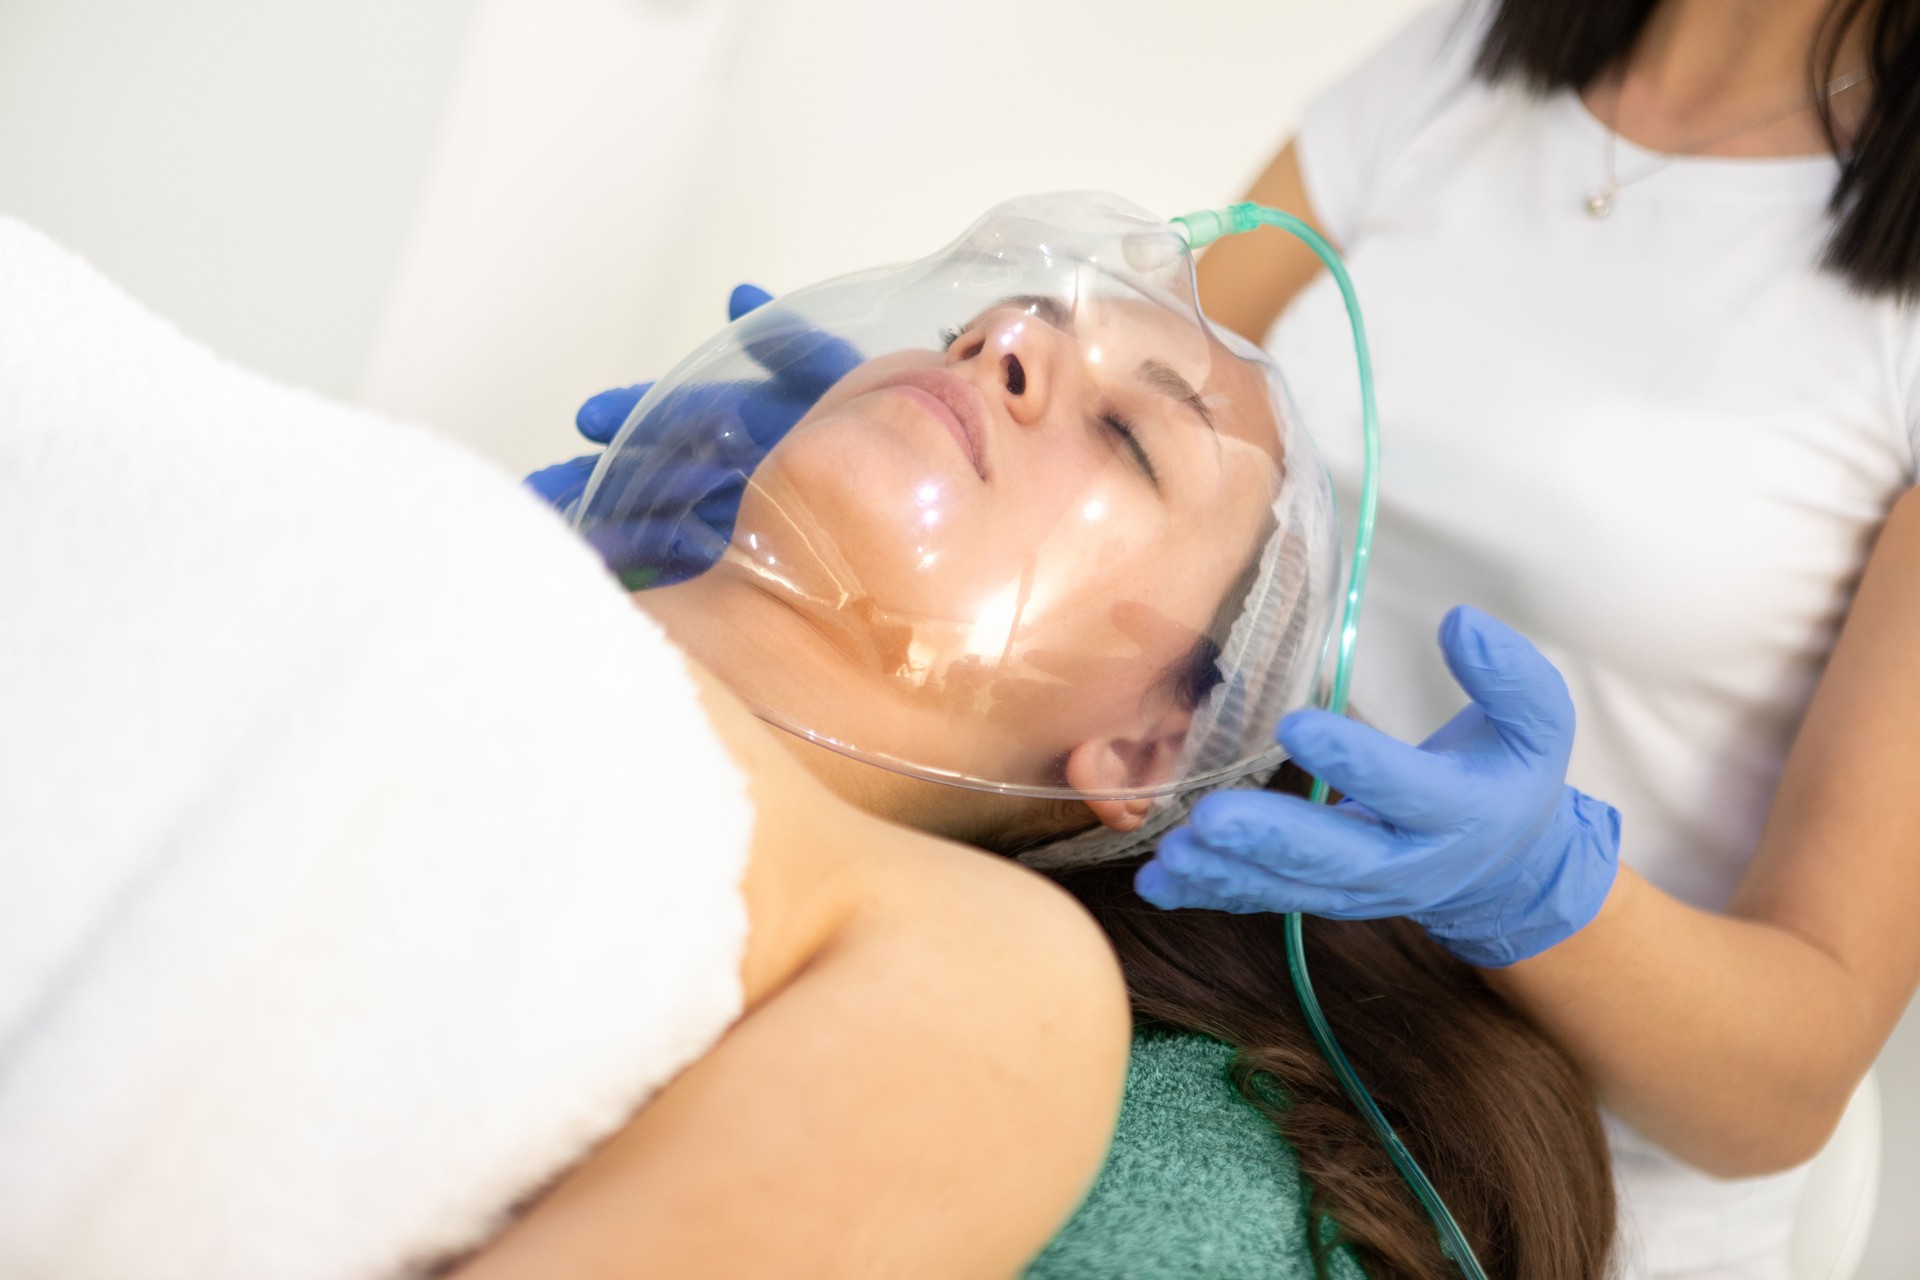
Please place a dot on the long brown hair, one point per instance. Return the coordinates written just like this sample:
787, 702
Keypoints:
1498, 1117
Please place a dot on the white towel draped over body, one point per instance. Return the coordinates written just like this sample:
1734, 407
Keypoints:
364, 854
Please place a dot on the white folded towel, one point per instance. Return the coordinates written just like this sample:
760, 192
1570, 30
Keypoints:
364, 855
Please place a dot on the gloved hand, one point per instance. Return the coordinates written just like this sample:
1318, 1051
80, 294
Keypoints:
602, 416
1474, 834
690, 509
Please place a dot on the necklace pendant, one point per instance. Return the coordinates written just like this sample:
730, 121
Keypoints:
1600, 203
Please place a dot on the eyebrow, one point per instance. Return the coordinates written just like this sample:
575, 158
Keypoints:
1164, 379
1155, 374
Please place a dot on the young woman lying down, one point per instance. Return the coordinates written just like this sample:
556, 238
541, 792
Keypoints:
384, 894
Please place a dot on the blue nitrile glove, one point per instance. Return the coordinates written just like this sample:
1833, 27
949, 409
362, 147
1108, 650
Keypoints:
690, 512
1474, 834
602, 416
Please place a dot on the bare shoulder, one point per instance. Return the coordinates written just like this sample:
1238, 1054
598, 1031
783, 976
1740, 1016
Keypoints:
931, 1094
924, 1084
950, 895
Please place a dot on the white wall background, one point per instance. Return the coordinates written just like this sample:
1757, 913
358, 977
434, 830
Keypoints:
609, 169
475, 212
249, 167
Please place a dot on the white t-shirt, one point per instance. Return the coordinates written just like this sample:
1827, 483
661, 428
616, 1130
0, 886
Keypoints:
1659, 443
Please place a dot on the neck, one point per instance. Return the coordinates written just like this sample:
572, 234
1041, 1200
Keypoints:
1702, 69
768, 653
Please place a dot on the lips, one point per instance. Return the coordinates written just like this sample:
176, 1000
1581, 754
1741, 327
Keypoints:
953, 401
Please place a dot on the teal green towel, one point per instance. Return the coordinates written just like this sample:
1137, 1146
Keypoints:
1197, 1186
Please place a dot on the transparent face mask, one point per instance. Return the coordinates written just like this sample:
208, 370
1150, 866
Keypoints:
1012, 517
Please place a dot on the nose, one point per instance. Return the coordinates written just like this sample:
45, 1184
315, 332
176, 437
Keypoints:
1017, 360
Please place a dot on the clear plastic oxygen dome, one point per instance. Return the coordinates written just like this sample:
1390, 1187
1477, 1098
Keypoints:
1012, 517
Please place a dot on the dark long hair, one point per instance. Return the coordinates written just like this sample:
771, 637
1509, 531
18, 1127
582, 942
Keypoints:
1875, 243
1498, 1117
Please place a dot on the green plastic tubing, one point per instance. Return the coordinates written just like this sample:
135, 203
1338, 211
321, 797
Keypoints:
1202, 229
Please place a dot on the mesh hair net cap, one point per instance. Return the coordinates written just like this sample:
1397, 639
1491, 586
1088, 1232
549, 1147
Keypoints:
1013, 517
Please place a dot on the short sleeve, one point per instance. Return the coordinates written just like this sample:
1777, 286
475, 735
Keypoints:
1910, 383
1351, 131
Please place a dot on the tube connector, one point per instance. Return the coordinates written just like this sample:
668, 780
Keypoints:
1202, 228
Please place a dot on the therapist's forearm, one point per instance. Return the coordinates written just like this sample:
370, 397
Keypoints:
1733, 1043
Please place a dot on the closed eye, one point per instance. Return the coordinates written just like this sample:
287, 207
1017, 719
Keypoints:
1131, 439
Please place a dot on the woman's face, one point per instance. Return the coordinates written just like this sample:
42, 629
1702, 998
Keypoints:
1023, 535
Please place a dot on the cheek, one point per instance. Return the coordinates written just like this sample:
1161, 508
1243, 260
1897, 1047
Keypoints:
1114, 615
1111, 537
891, 523
1140, 588
1049, 537
1096, 665
1074, 499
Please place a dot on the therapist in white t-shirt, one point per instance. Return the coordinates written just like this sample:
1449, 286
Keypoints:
1651, 395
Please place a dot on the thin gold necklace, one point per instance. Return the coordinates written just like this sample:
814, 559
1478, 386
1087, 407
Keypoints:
1600, 199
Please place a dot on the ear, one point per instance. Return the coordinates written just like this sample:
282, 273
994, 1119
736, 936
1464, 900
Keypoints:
1123, 764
